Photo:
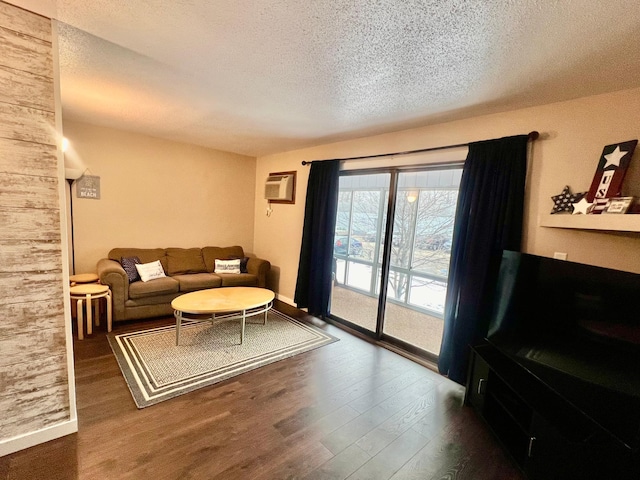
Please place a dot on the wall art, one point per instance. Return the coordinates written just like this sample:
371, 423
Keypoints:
612, 167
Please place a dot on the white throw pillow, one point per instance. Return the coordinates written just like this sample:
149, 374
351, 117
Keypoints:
227, 266
149, 271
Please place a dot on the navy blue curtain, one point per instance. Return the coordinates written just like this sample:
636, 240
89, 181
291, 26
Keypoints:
488, 219
313, 288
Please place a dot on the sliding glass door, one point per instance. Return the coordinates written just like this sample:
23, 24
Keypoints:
360, 233
412, 265
420, 251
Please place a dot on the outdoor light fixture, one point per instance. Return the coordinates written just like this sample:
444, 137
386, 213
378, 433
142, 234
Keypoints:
412, 196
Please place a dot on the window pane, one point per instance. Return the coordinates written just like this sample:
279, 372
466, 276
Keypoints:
339, 270
397, 285
358, 236
421, 248
343, 218
403, 229
434, 231
428, 294
359, 276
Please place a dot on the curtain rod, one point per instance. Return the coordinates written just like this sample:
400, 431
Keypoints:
532, 136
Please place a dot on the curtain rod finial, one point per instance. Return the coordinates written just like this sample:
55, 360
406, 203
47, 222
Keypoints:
534, 135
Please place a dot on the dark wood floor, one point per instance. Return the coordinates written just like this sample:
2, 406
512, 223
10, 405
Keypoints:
346, 410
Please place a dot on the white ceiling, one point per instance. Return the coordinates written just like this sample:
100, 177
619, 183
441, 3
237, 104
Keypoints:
263, 76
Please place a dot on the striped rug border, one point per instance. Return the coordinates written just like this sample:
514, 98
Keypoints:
147, 391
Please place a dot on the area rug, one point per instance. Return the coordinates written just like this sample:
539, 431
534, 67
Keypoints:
155, 369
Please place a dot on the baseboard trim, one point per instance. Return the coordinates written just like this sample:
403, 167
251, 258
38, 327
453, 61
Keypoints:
15, 444
284, 299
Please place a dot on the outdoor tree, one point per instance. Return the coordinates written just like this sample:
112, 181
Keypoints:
422, 230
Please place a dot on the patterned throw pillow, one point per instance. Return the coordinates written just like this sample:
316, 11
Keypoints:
150, 271
227, 266
243, 263
129, 265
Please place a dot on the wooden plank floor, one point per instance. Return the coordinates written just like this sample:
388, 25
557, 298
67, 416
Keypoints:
346, 410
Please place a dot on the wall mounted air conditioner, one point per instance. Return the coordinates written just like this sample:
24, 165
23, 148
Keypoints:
279, 187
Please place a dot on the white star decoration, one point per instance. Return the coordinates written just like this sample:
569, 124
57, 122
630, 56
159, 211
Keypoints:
582, 206
614, 157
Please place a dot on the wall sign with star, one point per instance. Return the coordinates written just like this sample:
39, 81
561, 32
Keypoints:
612, 167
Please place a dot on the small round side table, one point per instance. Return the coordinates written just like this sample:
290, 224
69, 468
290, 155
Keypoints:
83, 278
86, 293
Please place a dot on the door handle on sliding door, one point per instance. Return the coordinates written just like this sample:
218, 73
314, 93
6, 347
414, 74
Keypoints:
482, 386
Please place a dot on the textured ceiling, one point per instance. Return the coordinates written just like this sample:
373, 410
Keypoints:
263, 76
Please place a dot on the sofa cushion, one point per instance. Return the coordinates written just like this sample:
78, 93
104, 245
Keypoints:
165, 299
146, 255
211, 253
185, 260
159, 286
238, 280
198, 281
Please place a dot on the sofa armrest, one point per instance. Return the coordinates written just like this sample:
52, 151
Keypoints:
259, 268
112, 274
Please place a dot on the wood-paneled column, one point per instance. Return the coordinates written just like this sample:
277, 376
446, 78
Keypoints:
34, 363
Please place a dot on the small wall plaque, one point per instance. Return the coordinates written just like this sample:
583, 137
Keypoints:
618, 205
612, 167
88, 186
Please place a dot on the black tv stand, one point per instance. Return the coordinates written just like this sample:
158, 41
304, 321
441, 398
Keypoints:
545, 435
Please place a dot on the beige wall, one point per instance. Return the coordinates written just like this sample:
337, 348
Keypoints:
157, 193
573, 135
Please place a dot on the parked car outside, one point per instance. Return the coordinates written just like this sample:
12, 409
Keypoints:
436, 242
340, 246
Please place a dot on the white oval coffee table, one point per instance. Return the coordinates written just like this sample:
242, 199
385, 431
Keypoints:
225, 303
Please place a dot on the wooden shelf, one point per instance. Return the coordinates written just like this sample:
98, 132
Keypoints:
604, 222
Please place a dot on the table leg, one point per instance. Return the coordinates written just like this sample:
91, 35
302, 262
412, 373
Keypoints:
96, 311
265, 315
80, 319
244, 316
89, 311
109, 314
178, 316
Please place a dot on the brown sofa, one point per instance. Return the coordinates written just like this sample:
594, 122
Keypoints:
187, 270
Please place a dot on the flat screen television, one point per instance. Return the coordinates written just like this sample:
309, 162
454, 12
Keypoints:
576, 328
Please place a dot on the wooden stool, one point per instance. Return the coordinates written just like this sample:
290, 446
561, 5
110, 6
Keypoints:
83, 278
88, 292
